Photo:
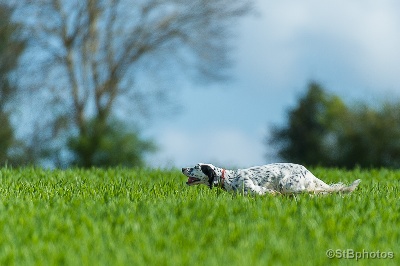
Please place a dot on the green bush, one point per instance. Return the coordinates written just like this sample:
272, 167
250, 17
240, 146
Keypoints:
111, 144
323, 130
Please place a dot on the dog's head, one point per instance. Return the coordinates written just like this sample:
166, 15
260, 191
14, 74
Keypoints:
200, 174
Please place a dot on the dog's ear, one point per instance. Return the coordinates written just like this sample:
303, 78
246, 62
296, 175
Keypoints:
208, 171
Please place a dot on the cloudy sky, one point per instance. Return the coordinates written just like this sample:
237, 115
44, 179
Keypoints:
351, 47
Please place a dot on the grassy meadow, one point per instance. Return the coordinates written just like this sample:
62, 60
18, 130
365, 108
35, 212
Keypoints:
123, 216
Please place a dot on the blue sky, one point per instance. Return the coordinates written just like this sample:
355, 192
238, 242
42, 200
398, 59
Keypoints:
351, 47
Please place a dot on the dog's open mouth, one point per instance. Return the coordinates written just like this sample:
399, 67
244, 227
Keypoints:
192, 180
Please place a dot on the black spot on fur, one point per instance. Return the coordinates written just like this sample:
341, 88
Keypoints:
208, 171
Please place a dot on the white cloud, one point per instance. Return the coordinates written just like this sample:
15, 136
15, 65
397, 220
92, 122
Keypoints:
327, 40
225, 147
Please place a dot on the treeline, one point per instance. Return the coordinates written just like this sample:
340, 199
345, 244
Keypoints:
76, 65
81, 73
323, 130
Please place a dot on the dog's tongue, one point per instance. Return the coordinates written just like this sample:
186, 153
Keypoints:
191, 180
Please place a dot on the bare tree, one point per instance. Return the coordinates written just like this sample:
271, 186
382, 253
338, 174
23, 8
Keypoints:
85, 57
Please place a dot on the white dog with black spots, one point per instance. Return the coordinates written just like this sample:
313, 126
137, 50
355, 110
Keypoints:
277, 178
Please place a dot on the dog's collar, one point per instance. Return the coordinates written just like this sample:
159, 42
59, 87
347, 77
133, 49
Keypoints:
222, 179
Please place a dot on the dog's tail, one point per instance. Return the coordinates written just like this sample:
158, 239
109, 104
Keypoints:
340, 187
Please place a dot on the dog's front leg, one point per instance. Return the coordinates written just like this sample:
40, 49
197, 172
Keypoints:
263, 190
246, 186
258, 190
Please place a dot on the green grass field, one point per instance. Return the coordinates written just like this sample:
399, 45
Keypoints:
150, 217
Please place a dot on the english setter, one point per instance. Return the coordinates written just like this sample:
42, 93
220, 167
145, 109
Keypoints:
277, 178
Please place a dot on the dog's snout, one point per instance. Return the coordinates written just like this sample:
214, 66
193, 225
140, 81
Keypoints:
183, 170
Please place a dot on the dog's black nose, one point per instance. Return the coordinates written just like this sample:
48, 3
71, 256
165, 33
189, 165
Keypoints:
183, 170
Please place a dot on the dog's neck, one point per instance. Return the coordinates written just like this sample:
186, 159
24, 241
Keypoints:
223, 178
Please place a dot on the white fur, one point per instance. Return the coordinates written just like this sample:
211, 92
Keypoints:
277, 178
